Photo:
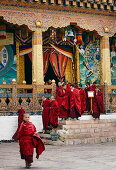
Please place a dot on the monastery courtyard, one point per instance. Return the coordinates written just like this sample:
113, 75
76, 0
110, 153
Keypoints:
80, 157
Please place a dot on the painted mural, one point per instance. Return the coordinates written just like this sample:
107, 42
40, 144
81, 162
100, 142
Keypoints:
7, 64
90, 62
113, 59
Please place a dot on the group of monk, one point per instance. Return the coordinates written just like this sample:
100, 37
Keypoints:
70, 103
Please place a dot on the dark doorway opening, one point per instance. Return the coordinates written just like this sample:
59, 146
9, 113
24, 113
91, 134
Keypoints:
50, 75
28, 69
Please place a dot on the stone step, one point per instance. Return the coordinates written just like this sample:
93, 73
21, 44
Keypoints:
90, 140
90, 130
87, 135
50, 142
73, 121
97, 125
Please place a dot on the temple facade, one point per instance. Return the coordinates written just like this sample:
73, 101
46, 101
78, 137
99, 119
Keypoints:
58, 39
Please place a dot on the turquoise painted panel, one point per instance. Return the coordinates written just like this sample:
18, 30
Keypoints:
90, 63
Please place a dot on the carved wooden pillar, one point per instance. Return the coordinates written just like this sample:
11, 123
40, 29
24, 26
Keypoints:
68, 72
17, 60
37, 58
105, 61
77, 65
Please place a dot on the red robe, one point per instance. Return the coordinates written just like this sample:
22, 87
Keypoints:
92, 87
45, 113
98, 104
75, 104
54, 112
21, 112
28, 141
83, 100
60, 92
88, 106
65, 107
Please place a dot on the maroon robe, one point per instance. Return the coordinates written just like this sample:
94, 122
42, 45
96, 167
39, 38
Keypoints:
65, 107
98, 104
60, 92
83, 100
75, 104
92, 87
45, 113
54, 112
28, 140
21, 112
88, 105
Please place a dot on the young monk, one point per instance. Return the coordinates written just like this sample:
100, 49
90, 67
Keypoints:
75, 103
45, 112
21, 112
98, 104
28, 140
82, 98
54, 112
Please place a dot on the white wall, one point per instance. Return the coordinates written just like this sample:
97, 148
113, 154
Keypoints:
8, 125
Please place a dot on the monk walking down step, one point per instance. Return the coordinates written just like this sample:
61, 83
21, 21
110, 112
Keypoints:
28, 140
75, 103
45, 112
82, 98
98, 104
54, 112
21, 112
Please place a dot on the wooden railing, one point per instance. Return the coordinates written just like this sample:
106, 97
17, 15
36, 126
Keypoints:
29, 97
14, 95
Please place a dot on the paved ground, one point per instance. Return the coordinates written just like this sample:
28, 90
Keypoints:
81, 157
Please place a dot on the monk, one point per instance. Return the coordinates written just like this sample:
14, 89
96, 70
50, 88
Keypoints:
75, 103
88, 107
28, 140
92, 87
21, 112
45, 112
60, 92
54, 112
98, 104
64, 109
82, 98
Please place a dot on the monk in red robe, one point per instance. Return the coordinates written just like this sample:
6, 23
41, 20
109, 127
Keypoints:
82, 98
28, 140
98, 104
21, 112
45, 112
92, 87
75, 103
60, 92
88, 106
54, 112
64, 109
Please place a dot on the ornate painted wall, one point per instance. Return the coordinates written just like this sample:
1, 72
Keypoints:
7, 64
113, 59
90, 62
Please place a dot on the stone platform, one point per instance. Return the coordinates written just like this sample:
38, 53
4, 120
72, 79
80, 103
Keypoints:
74, 132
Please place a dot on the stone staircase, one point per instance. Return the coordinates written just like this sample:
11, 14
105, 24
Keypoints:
74, 132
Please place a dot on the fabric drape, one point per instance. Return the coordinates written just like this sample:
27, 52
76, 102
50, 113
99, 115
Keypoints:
58, 62
45, 61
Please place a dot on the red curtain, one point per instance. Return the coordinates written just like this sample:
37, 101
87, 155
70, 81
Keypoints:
58, 62
54, 63
45, 61
62, 64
